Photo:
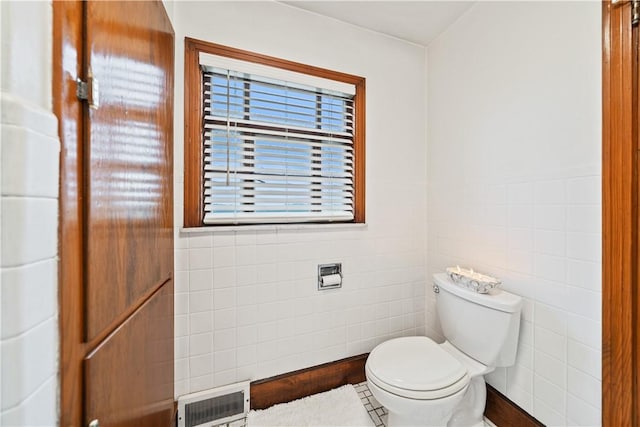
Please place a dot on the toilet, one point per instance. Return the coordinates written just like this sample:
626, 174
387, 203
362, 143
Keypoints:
423, 383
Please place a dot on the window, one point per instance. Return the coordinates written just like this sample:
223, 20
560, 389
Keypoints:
270, 141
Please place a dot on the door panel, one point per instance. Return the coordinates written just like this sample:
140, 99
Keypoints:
116, 212
129, 248
129, 377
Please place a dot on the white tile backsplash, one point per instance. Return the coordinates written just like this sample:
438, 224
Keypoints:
550, 368
181, 326
200, 280
200, 344
203, 382
584, 190
520, 193
520, 377
200, 258
550, 242
584, 218
200, 365
522, 398
551, 318
584, 274
225, 318
520, 216
224, 298
585, 358
585, 330
30, 230
181, 303
551, 343
580, 413
584, 386
224, 360
584, 302
181, 259
32, 295
224, 277
551, 192
225, 339
223, 377
27, 349
550, 267
224, 257
550, 217
200, 301
26, 146
37, 409
550, 394
200, 241
545, 414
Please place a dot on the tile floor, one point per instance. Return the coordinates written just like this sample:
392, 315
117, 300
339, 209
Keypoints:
377, 412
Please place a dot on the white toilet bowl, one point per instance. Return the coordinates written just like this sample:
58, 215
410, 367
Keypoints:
422, 383
427, 384
407, 412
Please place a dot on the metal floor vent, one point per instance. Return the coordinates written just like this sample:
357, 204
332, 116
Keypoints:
216, 406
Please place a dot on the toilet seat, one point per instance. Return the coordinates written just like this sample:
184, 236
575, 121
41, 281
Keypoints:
416, 368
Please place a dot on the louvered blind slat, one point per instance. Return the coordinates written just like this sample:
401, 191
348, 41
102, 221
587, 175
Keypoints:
275, 152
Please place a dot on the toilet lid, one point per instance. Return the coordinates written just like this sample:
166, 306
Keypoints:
416, 367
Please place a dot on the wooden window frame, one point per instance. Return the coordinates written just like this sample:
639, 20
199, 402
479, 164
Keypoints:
193, 169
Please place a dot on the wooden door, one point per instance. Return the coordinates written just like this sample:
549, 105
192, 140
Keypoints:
116, 204
621, 216
635, 42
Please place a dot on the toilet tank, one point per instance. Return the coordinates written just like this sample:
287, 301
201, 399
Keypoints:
483, 326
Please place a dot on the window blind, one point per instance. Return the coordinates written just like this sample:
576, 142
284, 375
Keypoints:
275, 151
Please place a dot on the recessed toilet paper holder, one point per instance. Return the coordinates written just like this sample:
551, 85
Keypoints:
329, 276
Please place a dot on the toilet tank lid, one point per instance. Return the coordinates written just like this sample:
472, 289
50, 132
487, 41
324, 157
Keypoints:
497, 299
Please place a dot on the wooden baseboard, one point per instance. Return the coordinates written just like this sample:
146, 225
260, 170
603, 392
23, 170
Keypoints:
305, 382
504, 413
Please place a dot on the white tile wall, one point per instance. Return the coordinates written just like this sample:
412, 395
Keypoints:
515, 191
28, 269
262, 325
29, 150
247, 306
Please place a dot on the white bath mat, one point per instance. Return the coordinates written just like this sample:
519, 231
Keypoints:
340, 407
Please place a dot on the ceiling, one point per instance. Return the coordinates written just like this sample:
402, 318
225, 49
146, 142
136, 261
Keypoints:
415, 21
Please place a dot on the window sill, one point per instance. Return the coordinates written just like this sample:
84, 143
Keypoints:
270, 227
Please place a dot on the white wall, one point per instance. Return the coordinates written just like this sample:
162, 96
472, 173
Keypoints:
29, 150
246, 302
514, 136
